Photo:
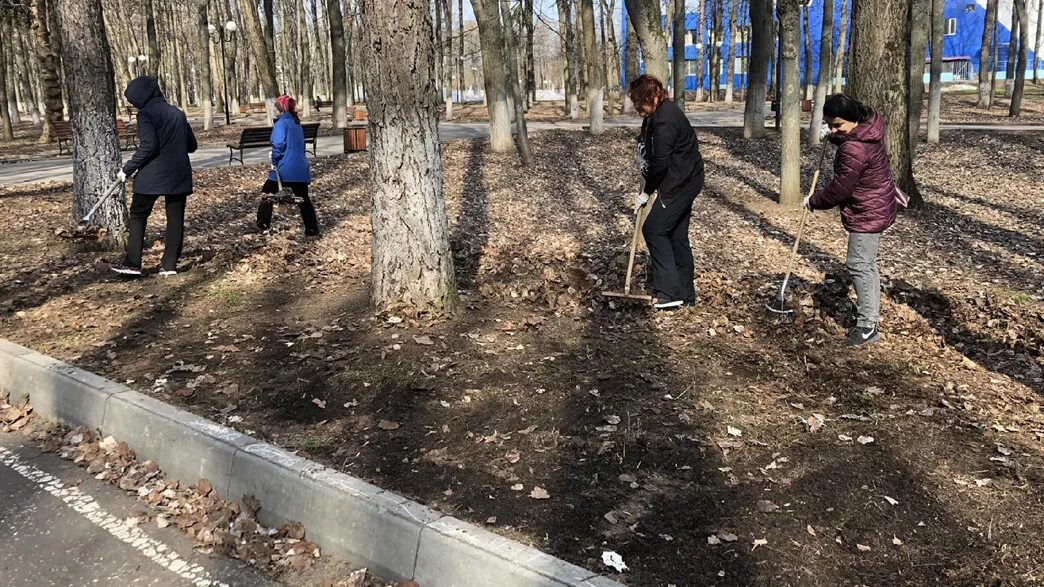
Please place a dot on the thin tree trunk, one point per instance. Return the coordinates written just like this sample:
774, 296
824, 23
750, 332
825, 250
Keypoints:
511, 51
1013, 48
565, 19
701, 28
179, 58
918, 38
630, 66
730, 52
826, 63
879, 76
47, 62
269, 29
677, 8
714, 58
1040, 36
340, 80
613, 79
806, 70
259, 51
6, 130
646, 21
494, 73
594, 68
527, 16
460, 55
206, 89
1015, 109
757, 82
985, 64
92, 94
842, 49
412, 262
304, 57
153, 64
448, 65
790, 143
29, 94
935, 83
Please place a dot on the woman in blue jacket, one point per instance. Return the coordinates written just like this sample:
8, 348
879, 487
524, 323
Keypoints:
288, 156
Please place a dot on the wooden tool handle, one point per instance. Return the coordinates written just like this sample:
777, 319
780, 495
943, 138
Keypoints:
630, 260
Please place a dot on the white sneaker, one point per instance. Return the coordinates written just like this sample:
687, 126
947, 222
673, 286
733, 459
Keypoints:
167, 273
668, 305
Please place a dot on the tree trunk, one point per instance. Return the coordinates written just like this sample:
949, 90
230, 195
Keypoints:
842, 49
265, 67
340, 79
918, 39
878, 76
790, 144
714, 48
985, 63
527, 17
935, 84
730, 52
511, 52
826, 63
6, 130
412, 263
565, 19
1015, 109
1013, 42
448, 66
92, 94
630, 66
757, 80
595, 84
613, 67
152, 65
206, 90
646, 21
304, 55
494, 73
269, 28
677, 8
47, 61
1036, 46
179, 57
22, 53
701, 28
806, 70
460, 55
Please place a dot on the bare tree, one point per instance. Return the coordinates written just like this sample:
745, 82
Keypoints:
879, 77
630, 66
304, 58
677, 12
806, 80
919, 11
826, 62
701, 8
595, 85
511, 62
47, 63
494, 73
935, 83
259, 51
205, 89
6, 131
788, 12
730, 52
155, 56
412, 262
527, 21
1013, 52
757, 79
1040, 35
646, 20
569, 64
842, 49
340, 78
1015, 109
92, 94
985, 65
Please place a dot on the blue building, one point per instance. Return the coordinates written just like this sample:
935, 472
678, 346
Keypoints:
961, 44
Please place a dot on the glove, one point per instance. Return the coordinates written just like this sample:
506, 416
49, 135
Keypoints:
807, 203
824, 131
121, 176
640, 200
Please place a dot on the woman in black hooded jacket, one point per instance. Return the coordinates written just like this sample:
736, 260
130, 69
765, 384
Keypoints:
161, 162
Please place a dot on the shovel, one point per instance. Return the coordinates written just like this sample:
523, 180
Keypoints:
626, 293
85, 222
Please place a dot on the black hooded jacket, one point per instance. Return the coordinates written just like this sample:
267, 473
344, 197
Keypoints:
668, 154
164, 141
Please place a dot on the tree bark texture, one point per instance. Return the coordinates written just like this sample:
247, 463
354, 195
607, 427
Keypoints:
757, 84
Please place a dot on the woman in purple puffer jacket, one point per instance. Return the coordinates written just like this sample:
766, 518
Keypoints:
866, 193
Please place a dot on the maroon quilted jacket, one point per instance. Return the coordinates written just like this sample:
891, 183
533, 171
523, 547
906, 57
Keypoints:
862, 186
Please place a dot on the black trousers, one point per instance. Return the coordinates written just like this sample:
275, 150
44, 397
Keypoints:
264, 210
666, 232
140, 209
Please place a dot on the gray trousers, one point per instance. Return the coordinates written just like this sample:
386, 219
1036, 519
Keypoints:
861, 263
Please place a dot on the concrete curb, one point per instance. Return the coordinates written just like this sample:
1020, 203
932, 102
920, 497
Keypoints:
392, 536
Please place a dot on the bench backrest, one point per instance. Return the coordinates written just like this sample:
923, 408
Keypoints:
63, 129
256, 136
311, 131
121, 128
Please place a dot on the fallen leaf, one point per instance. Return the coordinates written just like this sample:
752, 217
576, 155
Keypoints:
356, 579
423, 340
890, 500
810, 530
513, 457
815, 422
517, 487
873, 390
759, 542
766, 507
319, 402
614, 420
539, 493
733, 431
728, 536
713, 540
865, 439
614, 560
844, 438
863, 548
896, 541
387, 425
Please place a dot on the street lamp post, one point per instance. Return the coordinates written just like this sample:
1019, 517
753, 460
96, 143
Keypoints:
225, 36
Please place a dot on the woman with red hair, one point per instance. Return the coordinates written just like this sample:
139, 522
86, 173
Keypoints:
668, 156
288, 157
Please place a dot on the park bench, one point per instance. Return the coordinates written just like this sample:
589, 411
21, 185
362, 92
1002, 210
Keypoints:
63, 132
132, 113
320, 104
257, 137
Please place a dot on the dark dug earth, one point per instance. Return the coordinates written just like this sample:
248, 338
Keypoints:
709, 446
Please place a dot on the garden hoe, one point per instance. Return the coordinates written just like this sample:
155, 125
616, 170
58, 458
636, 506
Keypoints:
626, 293
86, 221
779, 307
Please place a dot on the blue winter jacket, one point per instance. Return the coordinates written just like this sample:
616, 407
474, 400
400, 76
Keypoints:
288, 151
